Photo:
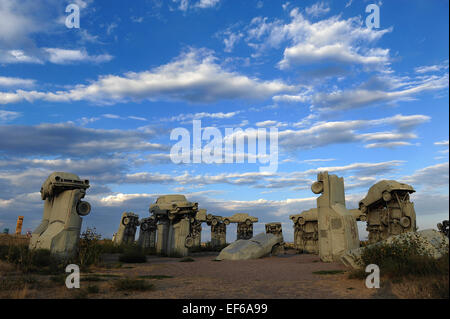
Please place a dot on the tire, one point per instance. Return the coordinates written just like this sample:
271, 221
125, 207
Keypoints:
387, 196
405, 222
226, 222
214, 222
316, 236
126, 221
248, 222
301, 221
317, 187
144, 226
363, 218
83, 208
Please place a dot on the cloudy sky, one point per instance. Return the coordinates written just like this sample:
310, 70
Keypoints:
101, 101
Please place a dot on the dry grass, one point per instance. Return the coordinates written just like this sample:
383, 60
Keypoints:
16, 240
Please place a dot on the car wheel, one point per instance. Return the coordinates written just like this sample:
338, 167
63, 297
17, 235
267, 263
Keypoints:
317, 187
387, 196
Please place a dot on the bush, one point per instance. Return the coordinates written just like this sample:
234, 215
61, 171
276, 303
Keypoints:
89, 251
128, 284
404, 257
30, 261
186, 259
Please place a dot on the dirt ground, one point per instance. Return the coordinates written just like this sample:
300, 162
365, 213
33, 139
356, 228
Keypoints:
287, 276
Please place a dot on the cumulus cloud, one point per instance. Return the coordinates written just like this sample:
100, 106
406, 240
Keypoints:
21, 22
333, 39
194, 76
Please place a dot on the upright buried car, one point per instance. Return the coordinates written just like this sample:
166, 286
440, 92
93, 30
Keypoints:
59, 230
389, 210
178, 227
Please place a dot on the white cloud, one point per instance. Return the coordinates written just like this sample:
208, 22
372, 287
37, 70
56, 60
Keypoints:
17, 56
185, 5
432, 68
317, 9
336, 40
442, 143
387, 145
232, 40
194, 77
270, 123
201, 115
337, 132
10, 82
355, 98
206, 3
6, 116
64, 56
430, 177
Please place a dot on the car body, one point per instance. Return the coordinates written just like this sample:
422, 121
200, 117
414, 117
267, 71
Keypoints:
61, 181
172, 205
240, 218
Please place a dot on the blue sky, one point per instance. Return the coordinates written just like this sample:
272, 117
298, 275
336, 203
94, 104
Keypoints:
101, 101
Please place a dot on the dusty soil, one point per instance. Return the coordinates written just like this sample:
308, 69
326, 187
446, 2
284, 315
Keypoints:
286, 276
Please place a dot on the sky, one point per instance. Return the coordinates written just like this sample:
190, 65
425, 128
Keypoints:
366, 102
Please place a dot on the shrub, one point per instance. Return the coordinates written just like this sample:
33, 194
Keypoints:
89, 250
404, 257
186, 259
30, 261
